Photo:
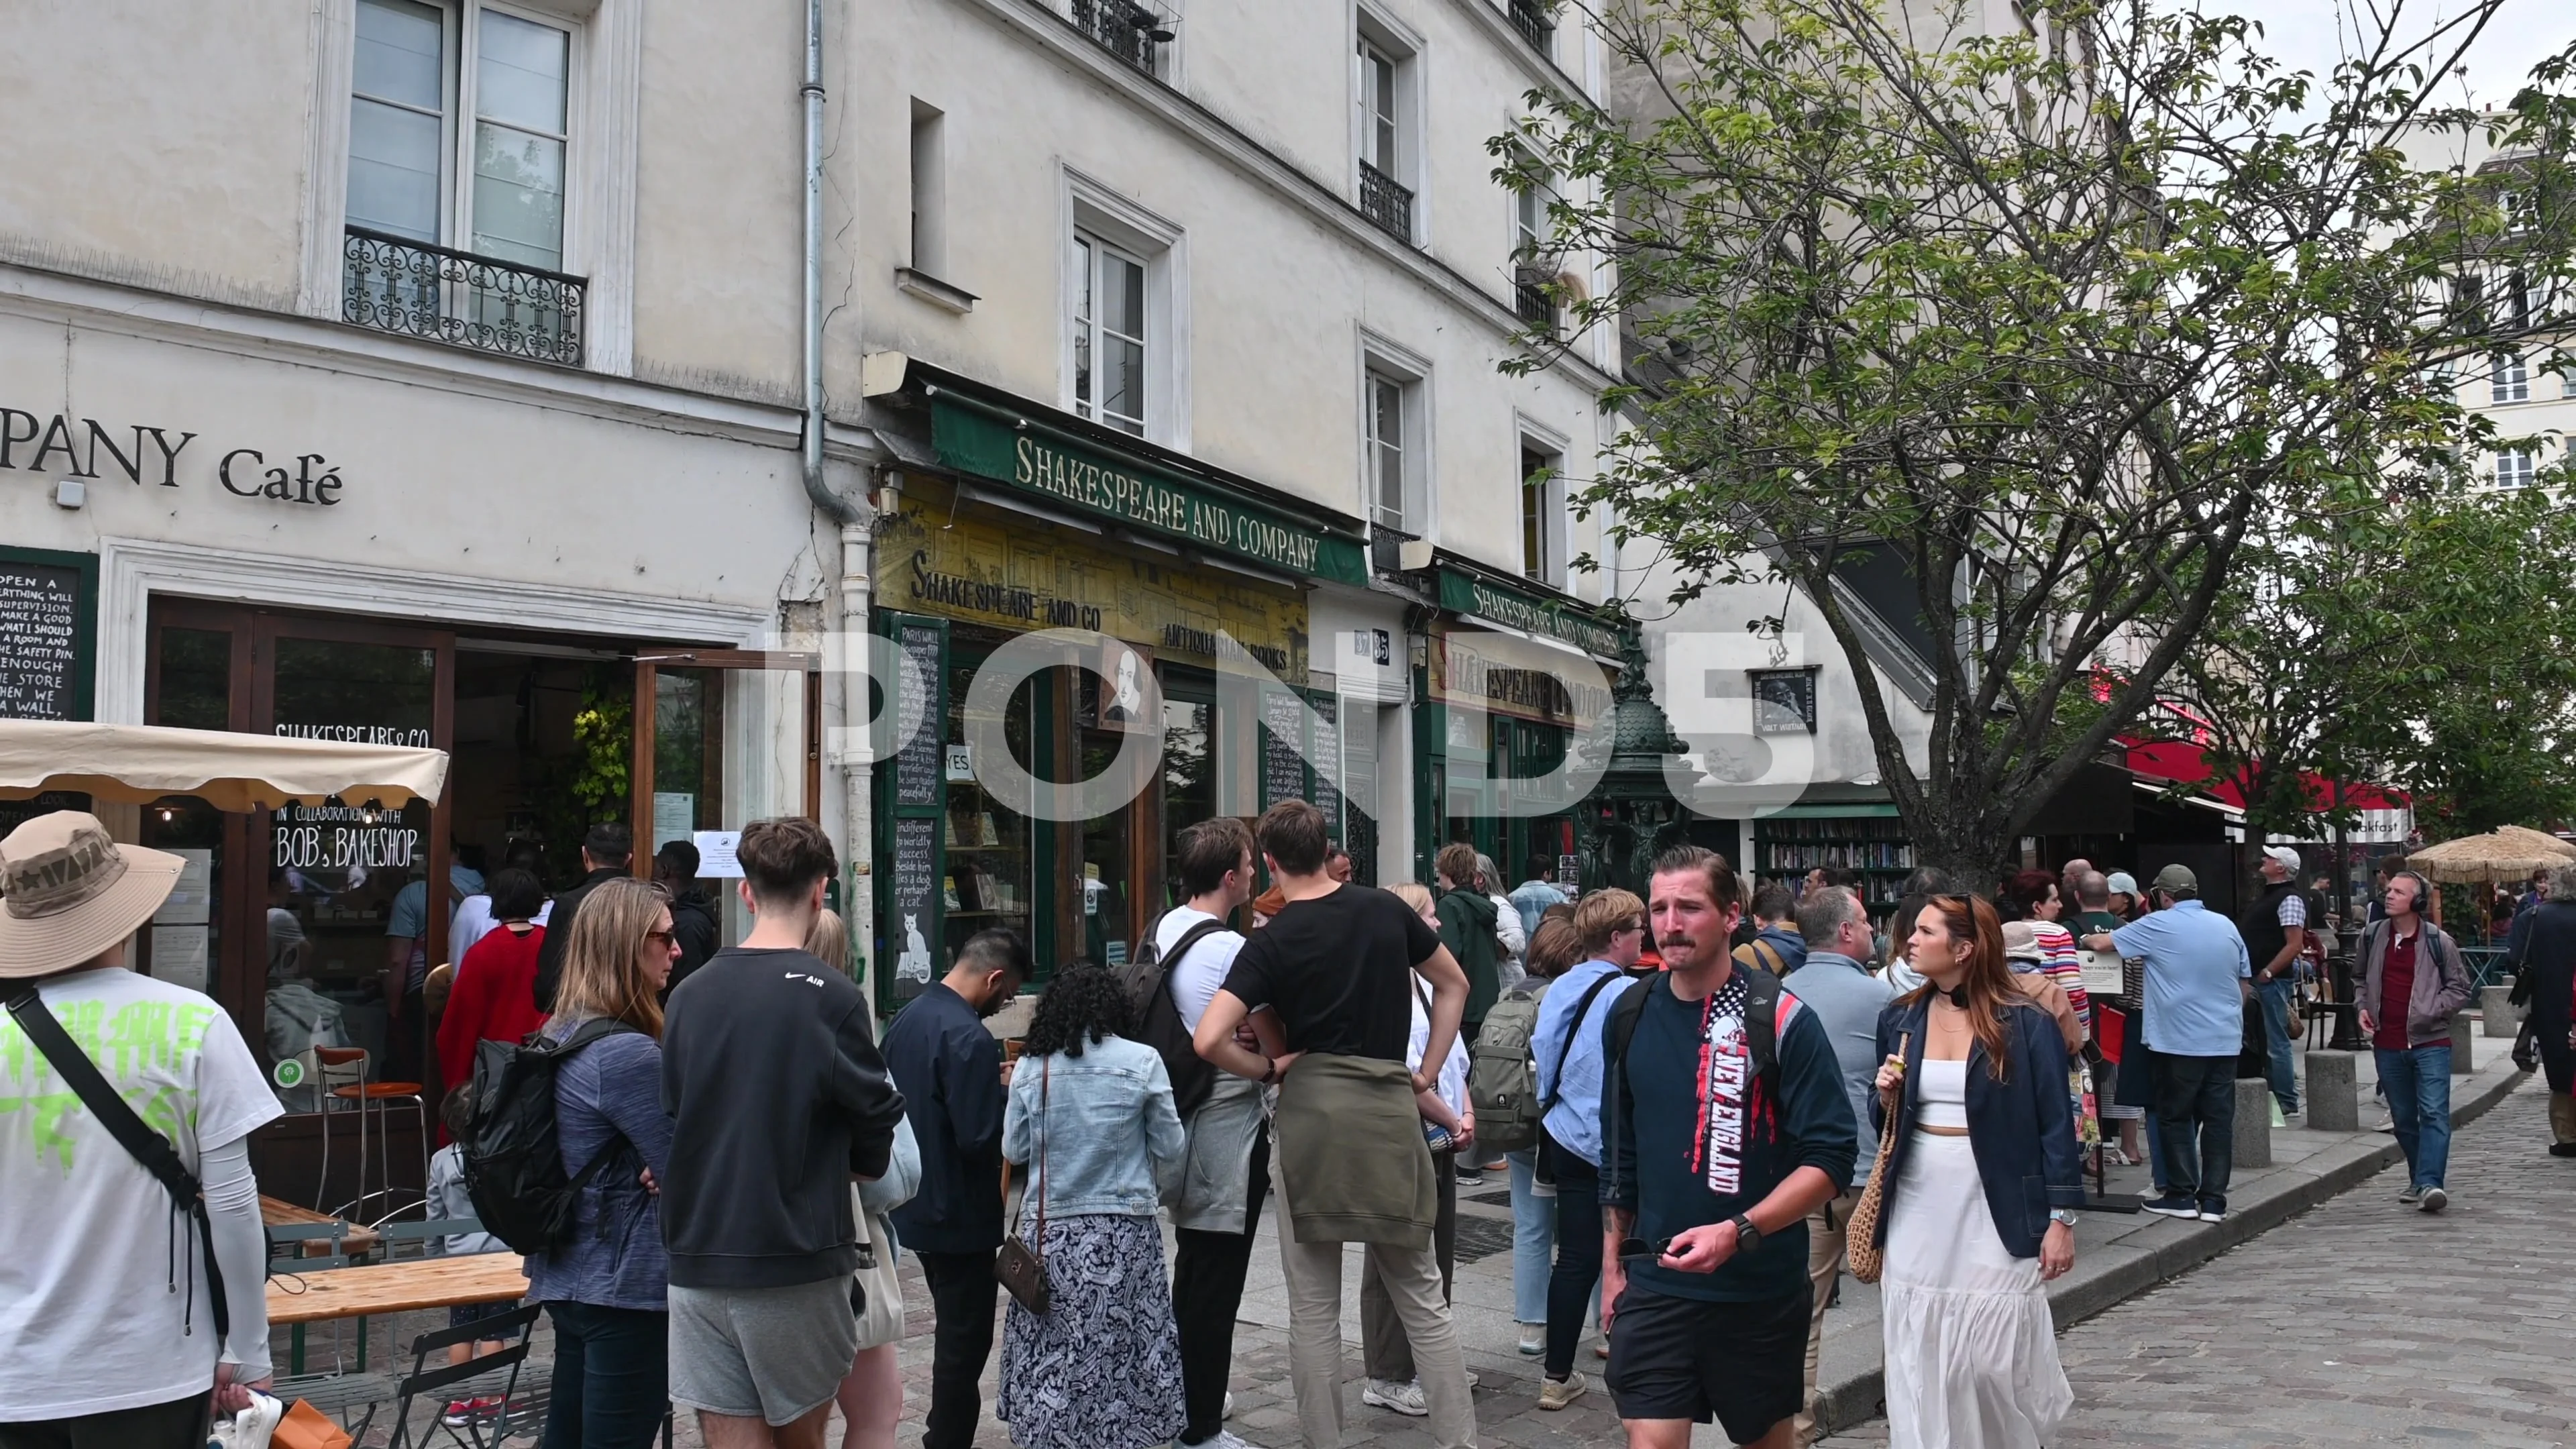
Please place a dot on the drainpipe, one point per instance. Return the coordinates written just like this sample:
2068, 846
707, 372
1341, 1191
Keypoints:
856, 762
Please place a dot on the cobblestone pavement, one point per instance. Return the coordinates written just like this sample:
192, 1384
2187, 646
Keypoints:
2362, 1322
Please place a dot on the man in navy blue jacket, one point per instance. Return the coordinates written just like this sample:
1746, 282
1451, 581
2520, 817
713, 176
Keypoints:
1710, 1166
950, 1071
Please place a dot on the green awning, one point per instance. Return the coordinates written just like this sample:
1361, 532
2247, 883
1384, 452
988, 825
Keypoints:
1073, 473
1564, 620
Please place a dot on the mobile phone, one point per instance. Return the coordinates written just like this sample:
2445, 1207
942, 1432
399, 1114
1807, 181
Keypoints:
1640, 1248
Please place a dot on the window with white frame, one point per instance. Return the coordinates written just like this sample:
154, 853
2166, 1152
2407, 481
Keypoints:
1395, 444
1542, 513
1383, 128
1109, 349
2510, 382
2515, 469
459, 128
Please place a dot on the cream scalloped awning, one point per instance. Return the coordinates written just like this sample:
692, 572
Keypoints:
138, 764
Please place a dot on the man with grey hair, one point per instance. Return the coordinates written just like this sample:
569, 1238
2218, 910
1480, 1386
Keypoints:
2544, 946
1847, 999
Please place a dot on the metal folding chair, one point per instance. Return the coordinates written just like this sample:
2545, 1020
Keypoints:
522, 1411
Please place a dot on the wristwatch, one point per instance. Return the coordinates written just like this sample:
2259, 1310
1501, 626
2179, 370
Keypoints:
1747, 1236
2062, 1215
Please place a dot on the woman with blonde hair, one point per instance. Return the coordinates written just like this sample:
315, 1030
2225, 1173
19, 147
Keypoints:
1981, 1188
604, 1286
828, 940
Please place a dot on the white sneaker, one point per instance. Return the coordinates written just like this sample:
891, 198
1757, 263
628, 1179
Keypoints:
1533, 1339
1225, 1439
1472, 1380
1405, 1399
1228, 1411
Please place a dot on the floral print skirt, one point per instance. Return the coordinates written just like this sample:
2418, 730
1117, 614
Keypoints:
1101, 1368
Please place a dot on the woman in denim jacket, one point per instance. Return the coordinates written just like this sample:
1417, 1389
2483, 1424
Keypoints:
1091, 1113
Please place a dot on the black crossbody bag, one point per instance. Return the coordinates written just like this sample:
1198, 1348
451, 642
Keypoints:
146, 1146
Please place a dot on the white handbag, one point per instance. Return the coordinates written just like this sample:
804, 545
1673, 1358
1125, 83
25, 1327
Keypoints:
881, 1315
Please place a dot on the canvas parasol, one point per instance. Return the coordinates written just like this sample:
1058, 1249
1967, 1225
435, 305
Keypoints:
2473, 859
141, 763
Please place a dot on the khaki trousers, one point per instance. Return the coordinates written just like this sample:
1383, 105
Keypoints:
1411, 1278
2562, 1117
1824, 1265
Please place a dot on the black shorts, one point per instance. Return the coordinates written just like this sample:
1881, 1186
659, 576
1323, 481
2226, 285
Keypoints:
1742, 1364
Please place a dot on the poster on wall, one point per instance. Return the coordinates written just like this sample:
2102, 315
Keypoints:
920, 763
48, 633
913, 905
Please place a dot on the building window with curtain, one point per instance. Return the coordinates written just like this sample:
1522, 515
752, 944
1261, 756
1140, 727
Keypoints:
1108, 326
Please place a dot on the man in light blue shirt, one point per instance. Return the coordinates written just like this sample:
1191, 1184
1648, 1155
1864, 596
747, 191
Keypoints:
1567, 1043
2197, 977
1532, 897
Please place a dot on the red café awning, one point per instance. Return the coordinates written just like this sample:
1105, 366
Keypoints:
2188, 764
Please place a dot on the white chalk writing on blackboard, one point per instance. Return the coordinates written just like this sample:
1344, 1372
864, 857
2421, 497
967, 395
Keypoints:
39, 641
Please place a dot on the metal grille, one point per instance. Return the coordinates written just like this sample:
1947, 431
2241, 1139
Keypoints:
1387, 202
1537, 313
1123, 29
394, 284
1536, 25
1482, 1237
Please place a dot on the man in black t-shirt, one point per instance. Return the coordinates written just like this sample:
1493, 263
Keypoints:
1337, 967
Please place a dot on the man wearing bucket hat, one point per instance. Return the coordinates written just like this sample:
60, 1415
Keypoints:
111, 1328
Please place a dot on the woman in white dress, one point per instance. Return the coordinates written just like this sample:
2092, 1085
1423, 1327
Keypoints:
1981, 1192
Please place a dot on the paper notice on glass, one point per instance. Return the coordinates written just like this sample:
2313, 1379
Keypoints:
675, 816
189, 899
179, 956
716, 853
2102, 973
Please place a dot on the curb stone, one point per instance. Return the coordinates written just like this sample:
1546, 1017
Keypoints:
2113, 1273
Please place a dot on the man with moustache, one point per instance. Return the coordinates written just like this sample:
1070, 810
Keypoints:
1724, 1125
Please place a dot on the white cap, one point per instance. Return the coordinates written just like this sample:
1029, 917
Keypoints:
2284, 857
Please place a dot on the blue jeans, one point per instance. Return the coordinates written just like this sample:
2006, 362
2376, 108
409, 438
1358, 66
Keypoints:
2279, 1068
1533, 1235
612, 1377
2417, 1082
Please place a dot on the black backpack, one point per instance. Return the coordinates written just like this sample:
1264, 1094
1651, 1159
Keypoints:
1147, 980
512, 1153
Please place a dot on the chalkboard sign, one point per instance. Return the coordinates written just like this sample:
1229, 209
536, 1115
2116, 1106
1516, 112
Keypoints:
48, 633
917, 761
1283, 769
1328, 751
913, 907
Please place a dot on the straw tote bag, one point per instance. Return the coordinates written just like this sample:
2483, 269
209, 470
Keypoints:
1861, 1233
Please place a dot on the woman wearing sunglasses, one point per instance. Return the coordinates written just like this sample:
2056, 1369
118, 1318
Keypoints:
604, 1288
1981, 1185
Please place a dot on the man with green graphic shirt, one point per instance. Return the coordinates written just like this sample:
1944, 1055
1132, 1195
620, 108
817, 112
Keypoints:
107, 1316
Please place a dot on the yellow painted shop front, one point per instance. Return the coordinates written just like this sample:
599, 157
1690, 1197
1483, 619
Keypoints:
963, 572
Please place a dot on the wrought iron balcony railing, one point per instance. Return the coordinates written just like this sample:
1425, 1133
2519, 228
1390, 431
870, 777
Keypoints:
1537, 310
394, 284
1536, 21
1387, 202
1126, 30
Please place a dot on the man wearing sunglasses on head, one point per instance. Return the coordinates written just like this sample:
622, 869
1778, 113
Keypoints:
1724, 1124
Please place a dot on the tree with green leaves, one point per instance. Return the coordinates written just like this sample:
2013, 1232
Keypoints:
2060, 315
2428, 644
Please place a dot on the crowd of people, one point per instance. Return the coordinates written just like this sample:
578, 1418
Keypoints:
1717, 1103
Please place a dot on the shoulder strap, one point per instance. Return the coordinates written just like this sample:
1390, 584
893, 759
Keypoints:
146, 1146
1762, 997
1624, 1016
1547, 1104
1189, 938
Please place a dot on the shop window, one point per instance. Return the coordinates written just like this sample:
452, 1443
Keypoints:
196, 677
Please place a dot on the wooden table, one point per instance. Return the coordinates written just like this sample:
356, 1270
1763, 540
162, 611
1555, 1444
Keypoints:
395, 1287
356, 1239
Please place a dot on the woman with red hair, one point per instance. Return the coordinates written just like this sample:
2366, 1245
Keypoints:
1980, 1187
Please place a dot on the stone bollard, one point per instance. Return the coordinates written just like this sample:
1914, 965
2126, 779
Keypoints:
2334, 1092
2461, 1036
2498, 1017
2253, 1122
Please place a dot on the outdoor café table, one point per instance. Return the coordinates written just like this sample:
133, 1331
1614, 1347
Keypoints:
301, 1298
355, 1238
